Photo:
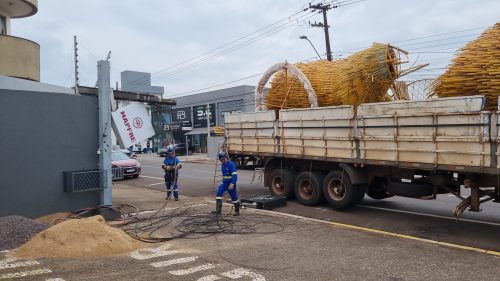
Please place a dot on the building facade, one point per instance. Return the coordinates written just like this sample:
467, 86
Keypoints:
189, 116
139, 82
20, 57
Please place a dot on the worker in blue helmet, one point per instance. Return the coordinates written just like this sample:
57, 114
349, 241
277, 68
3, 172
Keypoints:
171, 166
228, 183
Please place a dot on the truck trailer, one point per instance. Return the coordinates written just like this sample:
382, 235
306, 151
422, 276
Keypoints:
413, 148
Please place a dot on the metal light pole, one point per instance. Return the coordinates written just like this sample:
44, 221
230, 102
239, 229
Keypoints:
305, 37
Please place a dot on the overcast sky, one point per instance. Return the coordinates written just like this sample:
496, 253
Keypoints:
155, 35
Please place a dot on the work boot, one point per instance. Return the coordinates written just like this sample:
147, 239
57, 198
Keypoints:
236, 209
218, 207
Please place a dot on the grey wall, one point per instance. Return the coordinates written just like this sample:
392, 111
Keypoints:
213, 147
41, 136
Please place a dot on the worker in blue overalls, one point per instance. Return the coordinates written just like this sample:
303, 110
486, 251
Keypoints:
171, 166
229, 179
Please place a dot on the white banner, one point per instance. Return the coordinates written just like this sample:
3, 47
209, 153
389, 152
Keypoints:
133, 124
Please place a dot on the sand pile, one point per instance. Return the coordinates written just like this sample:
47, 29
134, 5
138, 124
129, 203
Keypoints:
54, 218
89, 237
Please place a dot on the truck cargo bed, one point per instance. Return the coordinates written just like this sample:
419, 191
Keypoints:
443, 134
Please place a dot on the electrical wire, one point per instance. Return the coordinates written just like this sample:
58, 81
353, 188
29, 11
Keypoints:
188, 223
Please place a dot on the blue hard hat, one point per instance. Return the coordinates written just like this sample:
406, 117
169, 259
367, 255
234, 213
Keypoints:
222, 155
170, 149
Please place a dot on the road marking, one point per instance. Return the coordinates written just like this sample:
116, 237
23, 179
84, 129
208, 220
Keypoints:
55, 279
241, 272
7, 260
25, 273
18, 264
152, 177
393, 234
210, 278
174, 261
206, 266
427, 215
4, 251
155, 184
149, 253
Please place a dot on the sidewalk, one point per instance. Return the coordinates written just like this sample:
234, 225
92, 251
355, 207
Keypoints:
146, 199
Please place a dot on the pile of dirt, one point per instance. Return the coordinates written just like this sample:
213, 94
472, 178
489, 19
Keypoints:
89, 237
54, 218
16, 230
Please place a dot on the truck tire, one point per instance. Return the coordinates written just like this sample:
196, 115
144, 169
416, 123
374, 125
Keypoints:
378, 189
410, 189
281, 183
360, 193
339, 192
307, 188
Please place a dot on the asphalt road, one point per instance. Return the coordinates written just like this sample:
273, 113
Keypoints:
378, 240
430, 219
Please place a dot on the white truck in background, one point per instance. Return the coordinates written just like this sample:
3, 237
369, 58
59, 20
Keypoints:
414, 149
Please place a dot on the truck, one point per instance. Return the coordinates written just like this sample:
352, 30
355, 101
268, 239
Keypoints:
412, 148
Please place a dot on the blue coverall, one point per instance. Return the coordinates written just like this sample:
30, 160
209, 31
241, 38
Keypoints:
229, 175
172, 176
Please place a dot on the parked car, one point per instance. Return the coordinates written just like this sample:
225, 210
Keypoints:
131, 167
124, 150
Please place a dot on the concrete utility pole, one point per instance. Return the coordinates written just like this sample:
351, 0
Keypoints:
104, 101
75, 49
324, 8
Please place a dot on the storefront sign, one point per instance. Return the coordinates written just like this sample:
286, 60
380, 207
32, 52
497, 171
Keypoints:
200, 115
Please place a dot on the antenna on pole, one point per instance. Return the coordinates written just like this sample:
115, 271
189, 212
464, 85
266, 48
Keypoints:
75, 49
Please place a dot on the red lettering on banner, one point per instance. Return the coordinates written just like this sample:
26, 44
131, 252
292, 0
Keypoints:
127, 125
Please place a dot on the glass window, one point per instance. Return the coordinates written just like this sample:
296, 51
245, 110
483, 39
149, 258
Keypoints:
3, 25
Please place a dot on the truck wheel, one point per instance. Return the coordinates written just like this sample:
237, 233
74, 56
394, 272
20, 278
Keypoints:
339, 191
281, 183
360, 194
308, 188
378, 190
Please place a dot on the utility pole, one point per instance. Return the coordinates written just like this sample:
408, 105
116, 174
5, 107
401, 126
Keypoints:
324, 8
104, 87
107, 59
75, 49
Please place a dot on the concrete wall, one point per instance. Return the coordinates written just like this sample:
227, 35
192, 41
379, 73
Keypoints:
41, 136
213, 147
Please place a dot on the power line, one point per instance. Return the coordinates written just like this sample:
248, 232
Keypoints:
226, 83
288, 18
227, 51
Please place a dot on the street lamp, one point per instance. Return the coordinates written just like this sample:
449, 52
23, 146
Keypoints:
305, 37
